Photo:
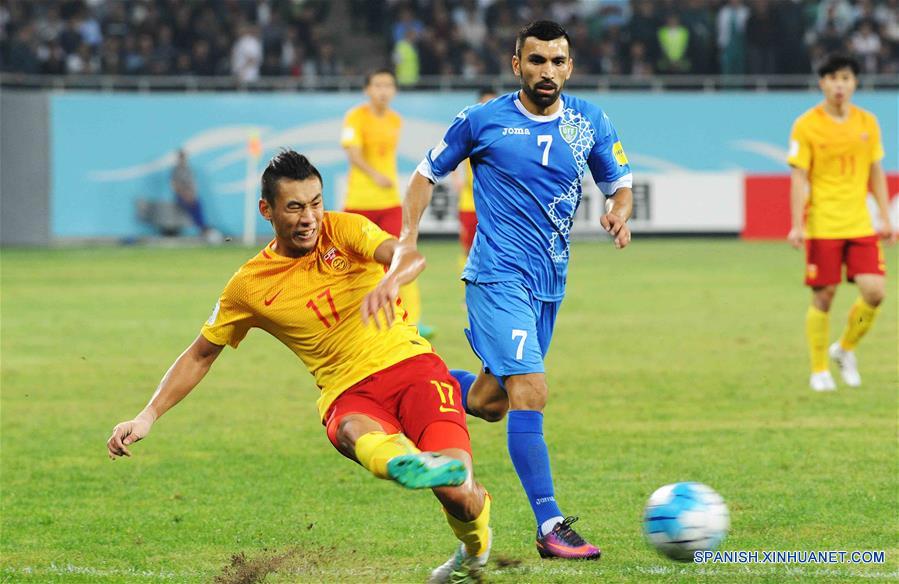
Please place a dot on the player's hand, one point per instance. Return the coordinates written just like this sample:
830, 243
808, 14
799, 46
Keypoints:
617, 228
383, 297
382, 181
795, 237
125, 434
887, 232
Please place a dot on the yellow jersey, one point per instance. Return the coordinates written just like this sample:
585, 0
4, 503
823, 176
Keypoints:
838, 157
311, 304
466, 193
377, 137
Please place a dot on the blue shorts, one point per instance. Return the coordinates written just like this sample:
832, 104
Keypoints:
510, 329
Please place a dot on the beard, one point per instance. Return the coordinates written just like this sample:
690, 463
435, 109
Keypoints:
543, 100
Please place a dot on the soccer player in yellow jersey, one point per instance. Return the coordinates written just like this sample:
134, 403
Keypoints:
387, 400
371, 132
468, 220
836, 153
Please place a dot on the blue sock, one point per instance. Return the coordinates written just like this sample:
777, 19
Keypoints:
529, 455
465, 379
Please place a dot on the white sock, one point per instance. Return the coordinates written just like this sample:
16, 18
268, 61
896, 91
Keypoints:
548, 525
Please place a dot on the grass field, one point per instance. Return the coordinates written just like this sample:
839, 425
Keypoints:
672, 360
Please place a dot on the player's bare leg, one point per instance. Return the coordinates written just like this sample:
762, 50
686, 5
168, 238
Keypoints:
817, 331
530, 456
872, 290
394, 457
487, 399
467, 509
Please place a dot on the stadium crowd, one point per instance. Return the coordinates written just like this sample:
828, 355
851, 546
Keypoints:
467, 38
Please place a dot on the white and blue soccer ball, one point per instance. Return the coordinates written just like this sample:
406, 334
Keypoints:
683, 518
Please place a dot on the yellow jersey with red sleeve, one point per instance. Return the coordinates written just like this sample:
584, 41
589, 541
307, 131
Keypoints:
311, 304
838, 157
377, 136
466, 193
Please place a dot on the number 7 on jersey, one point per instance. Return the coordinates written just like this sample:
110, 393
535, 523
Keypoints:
548, 139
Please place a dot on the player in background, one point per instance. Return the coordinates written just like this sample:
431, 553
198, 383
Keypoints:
371, 132
387, 400
836, 153
468, 220
528, 150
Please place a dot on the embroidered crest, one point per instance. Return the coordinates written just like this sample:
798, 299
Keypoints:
333, 258
569, 132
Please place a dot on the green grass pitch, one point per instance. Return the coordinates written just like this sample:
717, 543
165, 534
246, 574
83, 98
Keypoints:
672, 360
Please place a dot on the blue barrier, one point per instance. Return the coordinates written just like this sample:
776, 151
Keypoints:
108, 151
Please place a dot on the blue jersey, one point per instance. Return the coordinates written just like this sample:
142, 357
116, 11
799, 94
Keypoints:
527, 184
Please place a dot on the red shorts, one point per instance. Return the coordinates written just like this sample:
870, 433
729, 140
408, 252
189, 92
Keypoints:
824, 259
408, 397
390, 220
468, 224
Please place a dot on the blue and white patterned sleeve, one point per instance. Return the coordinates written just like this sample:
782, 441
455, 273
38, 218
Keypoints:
453, 148
608, 162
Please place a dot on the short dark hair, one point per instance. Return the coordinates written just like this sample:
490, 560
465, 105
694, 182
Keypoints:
382, 71
545, 30
286, 164
836, 61
485, 90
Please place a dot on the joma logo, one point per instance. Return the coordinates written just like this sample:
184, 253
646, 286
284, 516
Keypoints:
516, 131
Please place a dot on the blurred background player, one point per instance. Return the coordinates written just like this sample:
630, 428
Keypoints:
530, 150
371, 132
371, 377
468, 220
185, 189
835, 152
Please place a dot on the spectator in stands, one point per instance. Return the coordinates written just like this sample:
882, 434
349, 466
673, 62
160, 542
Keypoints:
23, 51
82, 61
327, 62
674, 38
639, 65
732, 19
201, 61
405, 59
246, 55
760, 39
643, 28
55, 63
865, 43
700, 21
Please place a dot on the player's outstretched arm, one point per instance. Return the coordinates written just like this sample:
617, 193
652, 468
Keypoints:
406, 263
878, 184
184, 374
798, 195
418, 197
619, 207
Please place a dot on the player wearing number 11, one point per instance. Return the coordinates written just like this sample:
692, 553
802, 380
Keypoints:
528, 150
385, 394
836, 153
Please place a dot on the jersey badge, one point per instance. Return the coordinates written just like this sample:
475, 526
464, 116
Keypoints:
333, 258
568, 131
618, 152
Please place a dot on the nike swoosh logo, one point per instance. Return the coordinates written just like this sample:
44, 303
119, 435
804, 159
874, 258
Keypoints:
272, 299
446, 410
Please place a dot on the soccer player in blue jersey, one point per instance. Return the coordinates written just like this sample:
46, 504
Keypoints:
528, 150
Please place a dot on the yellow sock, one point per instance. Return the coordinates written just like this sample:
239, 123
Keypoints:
411, 301
861, 317
374, 449
474, 534
817, 324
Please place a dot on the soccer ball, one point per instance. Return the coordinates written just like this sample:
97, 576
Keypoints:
683, 518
